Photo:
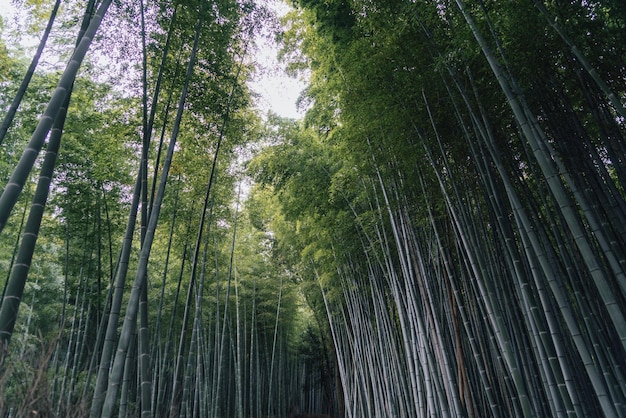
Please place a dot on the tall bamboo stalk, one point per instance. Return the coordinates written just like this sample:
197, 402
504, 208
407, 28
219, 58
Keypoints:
20, 174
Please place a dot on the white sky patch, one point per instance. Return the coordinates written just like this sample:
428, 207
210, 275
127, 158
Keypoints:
6, 9
278, 92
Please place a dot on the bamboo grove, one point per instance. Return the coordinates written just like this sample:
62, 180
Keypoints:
458, 190
442, 234
141, 289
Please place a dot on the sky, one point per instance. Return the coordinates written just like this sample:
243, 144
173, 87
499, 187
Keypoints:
5, 8
277, 91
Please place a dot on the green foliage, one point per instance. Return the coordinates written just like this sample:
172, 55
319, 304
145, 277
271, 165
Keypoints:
403, 236
25, 385
421, 178
4, 55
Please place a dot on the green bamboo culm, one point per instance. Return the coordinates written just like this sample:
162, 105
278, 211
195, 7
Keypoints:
18, 178
8, 118
19, 274
537, 142
17, 279
133, 302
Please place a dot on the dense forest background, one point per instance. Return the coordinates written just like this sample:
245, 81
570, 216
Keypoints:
442, 234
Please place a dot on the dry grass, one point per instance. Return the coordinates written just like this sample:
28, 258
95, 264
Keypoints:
26, 382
